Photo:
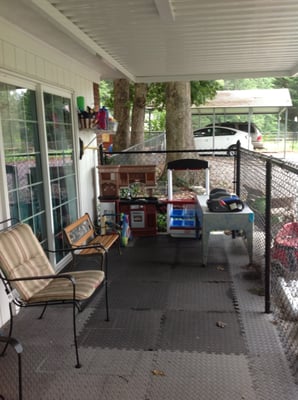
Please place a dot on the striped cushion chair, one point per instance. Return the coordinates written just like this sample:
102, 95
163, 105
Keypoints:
30, 279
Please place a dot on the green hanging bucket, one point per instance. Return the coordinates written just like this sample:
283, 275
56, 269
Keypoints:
81, 103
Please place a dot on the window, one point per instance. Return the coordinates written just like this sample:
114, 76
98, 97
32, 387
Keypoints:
206, 132
61, 163
22, 156
224, 132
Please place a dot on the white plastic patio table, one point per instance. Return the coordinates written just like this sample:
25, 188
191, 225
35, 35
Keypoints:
222, 221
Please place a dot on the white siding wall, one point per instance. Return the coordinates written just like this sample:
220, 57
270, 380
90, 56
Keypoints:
25, 57
88, 174
22, 54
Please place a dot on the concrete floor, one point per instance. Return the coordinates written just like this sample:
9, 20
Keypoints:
177, 331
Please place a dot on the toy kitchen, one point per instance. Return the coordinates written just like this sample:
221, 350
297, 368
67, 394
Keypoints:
128, 189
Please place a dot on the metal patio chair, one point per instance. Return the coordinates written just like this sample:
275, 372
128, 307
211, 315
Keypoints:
30, 280
18, 349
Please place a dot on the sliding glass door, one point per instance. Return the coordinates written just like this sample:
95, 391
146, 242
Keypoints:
40, 174
22, 152
58, 122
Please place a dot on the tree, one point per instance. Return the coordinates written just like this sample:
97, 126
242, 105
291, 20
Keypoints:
178, 119
121, 114
138, 113
154, 95
179, 97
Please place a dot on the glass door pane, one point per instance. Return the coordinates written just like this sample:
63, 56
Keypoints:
61, 163
19, 127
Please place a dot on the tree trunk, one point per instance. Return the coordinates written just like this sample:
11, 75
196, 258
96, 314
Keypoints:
138, 113
121, 114
178, 119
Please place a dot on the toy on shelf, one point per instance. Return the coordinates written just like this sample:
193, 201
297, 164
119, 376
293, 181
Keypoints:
104, 121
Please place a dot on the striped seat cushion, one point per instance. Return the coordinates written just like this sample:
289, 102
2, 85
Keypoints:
21, 255
61, 289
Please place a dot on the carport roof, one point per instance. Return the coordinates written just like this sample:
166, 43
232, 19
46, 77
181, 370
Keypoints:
253, 101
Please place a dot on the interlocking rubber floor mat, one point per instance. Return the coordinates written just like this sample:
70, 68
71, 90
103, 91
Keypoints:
176, 305
177, 331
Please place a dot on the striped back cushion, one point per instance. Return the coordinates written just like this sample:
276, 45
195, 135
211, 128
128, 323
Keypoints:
21, 255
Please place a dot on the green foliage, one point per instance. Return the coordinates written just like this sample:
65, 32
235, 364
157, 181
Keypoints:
248, 83
161, 222
292, 85
260, 205
156, 96
201, 91
106, 90
157, 121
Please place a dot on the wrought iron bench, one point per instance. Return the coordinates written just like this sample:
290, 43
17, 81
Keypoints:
30, 280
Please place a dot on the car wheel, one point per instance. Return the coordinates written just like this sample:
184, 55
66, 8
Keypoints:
232, 150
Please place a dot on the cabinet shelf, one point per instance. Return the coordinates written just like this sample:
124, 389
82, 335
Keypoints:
183, 213
182, 218
182, 223
114, 177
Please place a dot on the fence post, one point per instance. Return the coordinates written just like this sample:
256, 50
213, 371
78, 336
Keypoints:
268, 236
238, 163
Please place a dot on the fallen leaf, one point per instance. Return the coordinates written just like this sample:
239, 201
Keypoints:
220, 268
220, 324
157, 372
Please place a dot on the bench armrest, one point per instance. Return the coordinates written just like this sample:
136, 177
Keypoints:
90, 246
74, 248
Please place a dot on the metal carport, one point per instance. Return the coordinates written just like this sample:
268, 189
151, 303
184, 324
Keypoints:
246, 102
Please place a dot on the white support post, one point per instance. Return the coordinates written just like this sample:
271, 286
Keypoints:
207, 181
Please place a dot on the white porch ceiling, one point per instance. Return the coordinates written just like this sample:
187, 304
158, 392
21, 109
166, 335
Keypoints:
168, 40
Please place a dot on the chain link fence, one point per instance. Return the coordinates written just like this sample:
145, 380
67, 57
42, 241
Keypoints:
270, 188
153, 152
